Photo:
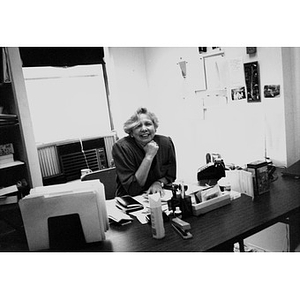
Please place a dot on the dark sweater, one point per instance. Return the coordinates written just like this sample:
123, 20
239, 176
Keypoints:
128, 156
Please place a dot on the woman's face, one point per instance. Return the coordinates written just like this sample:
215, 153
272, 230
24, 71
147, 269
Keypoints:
144, 131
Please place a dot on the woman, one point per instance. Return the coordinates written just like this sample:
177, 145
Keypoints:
144, 160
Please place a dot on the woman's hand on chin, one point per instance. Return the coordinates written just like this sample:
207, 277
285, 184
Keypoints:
151, 149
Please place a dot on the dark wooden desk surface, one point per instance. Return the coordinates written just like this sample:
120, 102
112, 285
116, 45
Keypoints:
240, 219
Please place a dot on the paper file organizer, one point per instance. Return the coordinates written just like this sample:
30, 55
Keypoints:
206, 206
240, 181
84, 198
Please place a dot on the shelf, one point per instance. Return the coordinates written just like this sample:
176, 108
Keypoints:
8, 200
11, 164
6, 83
8, 125
8, 116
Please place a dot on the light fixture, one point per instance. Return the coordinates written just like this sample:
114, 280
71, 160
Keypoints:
182, 65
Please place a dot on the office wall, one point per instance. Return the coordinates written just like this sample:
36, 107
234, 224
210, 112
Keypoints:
174, 100
240, 132
127, 82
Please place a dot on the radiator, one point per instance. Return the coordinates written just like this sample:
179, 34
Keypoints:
73, 163
49, 162
54, 162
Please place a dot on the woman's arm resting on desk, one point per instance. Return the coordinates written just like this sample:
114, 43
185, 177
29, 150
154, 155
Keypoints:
157, 187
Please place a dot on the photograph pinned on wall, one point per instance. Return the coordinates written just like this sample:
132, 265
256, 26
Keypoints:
238, 93
272, 91
252, 81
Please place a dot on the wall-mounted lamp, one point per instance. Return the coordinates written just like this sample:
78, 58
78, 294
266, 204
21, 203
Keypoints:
182, 65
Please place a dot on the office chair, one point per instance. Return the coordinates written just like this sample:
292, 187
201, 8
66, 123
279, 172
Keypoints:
107, 177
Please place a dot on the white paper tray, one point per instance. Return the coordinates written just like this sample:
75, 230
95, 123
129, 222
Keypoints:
204, 207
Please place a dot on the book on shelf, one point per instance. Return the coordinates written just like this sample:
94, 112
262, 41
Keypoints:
11, 164
6, 149
8, 119
8, 190
8, 158
8, 199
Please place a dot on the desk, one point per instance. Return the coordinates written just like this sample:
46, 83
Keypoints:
238, 220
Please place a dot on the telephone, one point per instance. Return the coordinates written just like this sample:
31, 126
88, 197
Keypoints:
211, 172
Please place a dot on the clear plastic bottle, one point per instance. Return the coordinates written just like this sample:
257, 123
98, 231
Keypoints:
157, 223
178, 213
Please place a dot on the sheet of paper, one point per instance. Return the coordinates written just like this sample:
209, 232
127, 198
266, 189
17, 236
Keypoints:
115, 213
168, 195
143, 199
236, 71
141, 215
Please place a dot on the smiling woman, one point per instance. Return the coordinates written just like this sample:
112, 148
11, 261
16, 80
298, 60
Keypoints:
144, 160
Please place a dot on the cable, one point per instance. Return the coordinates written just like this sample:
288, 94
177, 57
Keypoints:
82, 150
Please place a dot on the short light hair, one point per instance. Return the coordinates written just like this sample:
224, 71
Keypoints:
132, 122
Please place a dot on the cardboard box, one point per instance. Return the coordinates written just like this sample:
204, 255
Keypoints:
260, 176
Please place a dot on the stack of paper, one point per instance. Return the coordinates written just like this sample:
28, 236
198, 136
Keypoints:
115, 214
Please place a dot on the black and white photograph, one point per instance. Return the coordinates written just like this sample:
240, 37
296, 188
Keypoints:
238, 93
136, 164
271, 91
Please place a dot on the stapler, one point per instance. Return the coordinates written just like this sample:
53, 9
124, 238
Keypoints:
182, 228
